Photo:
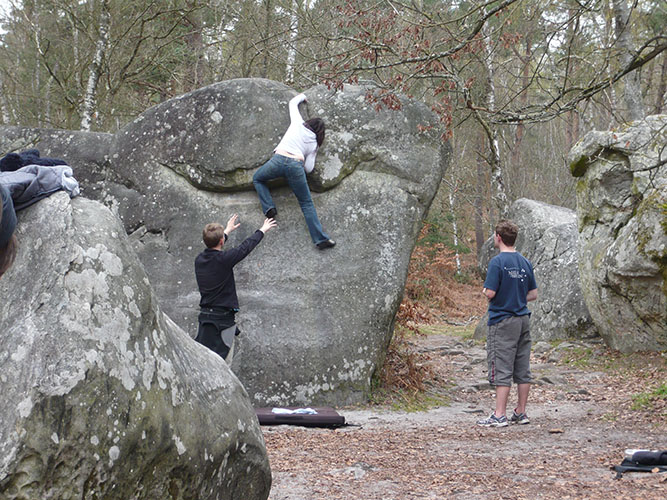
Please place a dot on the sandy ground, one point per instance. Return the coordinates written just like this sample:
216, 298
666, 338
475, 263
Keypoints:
581, 423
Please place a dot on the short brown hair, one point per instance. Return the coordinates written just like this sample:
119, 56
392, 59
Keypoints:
507, 230
212, 234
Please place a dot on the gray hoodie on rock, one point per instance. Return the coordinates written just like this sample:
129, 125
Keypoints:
31, 183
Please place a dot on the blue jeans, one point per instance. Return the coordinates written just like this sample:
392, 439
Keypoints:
292, 170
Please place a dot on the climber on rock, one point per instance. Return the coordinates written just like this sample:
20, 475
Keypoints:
293, 158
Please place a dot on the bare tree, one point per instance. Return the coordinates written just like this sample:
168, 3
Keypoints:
462, 60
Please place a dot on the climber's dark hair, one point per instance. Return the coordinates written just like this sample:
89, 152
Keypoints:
317, 126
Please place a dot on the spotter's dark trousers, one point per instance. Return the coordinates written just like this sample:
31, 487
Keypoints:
212, 321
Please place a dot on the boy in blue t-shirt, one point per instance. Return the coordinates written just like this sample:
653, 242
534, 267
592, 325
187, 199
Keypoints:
509, 286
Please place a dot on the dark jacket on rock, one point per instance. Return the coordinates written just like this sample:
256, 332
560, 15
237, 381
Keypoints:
13, 161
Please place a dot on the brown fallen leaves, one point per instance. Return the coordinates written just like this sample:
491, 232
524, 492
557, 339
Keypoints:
448, 456
591, 412
383, 464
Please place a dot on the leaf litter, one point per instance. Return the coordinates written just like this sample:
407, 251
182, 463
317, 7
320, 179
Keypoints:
584, 411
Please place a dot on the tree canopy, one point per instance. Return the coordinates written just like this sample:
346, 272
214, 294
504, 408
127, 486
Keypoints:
515, 82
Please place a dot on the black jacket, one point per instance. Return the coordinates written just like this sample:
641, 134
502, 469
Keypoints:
214, 270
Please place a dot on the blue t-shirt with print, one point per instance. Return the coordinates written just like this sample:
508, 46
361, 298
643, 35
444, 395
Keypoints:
511, 276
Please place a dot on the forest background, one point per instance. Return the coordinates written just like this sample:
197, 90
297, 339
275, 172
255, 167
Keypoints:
515, 83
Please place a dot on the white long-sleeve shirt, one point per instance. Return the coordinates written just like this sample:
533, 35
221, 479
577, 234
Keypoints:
299, 140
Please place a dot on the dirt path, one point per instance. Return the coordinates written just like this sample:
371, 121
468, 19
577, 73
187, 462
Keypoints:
581, 423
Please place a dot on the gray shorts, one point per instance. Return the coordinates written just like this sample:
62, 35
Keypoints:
508, 351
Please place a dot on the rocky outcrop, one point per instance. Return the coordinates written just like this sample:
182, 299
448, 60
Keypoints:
315, 324
548, 238
103, 395
621, 209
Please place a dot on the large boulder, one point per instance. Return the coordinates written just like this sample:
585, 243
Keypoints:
621, 200
315, 323
548, 238
103, 395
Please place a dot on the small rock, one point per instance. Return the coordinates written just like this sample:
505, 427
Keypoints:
476, 410
555, 356
475, 360
553, 380
541, 347
482, 386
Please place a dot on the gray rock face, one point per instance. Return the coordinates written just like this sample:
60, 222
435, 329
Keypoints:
87, 151
388, 144
315, 323
211, 136
621, 200
103, 395
548, 238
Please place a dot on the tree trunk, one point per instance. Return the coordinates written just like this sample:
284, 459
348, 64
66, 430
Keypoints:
479, 197
246, 44
612, 104
500, 196
75, 45
525, 83
36, 80
291, 49
662, 88
268, 7
571, 129
455, 228
89, 100
4, 105
572, 117
47, 107
195, 42
632, 94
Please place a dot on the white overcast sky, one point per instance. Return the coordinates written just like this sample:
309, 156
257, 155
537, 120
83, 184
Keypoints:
4, 5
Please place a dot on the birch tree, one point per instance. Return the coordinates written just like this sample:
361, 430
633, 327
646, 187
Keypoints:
494, 158
291, 49
88, 107
455, 224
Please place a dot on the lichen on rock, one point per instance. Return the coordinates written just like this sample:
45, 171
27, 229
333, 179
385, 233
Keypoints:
104, 395
621, 199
